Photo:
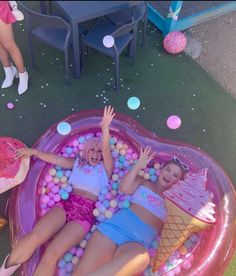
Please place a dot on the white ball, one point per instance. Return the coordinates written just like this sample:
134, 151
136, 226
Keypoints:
108, 41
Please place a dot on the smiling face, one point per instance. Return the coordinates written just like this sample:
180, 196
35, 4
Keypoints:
92, 151
169, 175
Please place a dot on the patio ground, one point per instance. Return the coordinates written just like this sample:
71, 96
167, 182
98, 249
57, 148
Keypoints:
164, 84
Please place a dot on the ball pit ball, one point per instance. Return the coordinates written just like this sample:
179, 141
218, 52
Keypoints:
133, 103
96, 212
63, 128
83, 243
108, 41
157, 166
79, 252
108, 214
10, 105
173, 122
174, 42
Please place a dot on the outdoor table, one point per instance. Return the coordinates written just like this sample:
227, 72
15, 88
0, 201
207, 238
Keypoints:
81, 11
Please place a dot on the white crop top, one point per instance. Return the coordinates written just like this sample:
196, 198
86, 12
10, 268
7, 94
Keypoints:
88, 178
150, 201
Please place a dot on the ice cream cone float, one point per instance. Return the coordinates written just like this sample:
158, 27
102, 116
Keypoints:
190, 210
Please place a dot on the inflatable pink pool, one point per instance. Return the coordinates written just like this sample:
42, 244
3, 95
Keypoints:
205, 253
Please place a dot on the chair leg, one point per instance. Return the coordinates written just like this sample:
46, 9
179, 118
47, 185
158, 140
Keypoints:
144, 31
31, 46
117, 74
82, 55
66, 65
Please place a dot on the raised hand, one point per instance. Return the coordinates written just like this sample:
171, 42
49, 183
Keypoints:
25, 152
145, 157
108, 115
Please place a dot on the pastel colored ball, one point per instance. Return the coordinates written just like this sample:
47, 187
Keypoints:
79, 252
10, 105
174, 42
83, 243
96, 212
108, 41
52, 171
173, 122
108, 214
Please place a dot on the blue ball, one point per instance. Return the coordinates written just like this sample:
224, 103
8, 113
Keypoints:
101, 197
152, 171
115, 185
104, 190
59, 173
69, 267
69, 150
61, 263
58, 167
153, 178
82, 139
68, 257
106, 203
133, 103
125, 204
68, 189
122, 158
67, 173
64, 195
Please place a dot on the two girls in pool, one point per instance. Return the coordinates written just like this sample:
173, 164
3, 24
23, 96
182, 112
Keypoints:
119, 245
123, 239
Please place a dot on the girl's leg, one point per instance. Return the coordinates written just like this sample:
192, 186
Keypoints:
47, 226
98, 252
70, 235
4, 56
8, 42
130, 259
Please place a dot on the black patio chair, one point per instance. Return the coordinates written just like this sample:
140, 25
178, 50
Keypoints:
123, 36
122, 17
49, 29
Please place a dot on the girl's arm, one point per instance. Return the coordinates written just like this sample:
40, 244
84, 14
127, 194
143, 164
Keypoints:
130, 182
52, 158
108, 115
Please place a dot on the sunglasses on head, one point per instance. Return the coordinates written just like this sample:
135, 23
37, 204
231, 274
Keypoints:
177, 161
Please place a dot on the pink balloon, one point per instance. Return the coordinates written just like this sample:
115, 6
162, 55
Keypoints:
173, 122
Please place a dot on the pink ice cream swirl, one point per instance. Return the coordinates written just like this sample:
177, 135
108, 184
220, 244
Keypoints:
191, 196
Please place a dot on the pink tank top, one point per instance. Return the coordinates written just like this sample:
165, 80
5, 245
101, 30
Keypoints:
88, 178
150, 201
5, 13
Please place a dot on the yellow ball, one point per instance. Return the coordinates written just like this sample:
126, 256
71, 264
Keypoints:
157, 166
141, 172
52, 171
122, 152
96, 212
83, 243
108, 214
55, 180
146, 176
183, 250
75, 260
63, 179
115, 177
119, 146
113, 203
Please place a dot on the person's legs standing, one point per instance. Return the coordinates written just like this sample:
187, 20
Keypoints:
8, 42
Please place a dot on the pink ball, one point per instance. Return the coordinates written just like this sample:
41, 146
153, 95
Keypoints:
174, 42
10, 105
45, 199
173, 122
56, 198
48, 178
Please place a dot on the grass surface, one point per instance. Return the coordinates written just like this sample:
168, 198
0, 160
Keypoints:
165, 85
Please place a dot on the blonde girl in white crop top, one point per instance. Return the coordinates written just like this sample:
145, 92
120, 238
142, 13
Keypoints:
124, 235
89, 173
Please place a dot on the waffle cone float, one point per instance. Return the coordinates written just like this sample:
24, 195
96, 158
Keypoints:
178, 227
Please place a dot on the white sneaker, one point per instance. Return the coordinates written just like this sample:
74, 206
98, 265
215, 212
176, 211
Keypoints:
10, 73
8, 271
23, 82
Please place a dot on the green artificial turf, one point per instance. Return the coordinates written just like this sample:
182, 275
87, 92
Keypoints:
165, 84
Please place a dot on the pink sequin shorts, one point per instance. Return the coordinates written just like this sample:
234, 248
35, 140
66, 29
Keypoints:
80, 209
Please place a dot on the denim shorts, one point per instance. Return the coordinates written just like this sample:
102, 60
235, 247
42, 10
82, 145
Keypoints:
125, 226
